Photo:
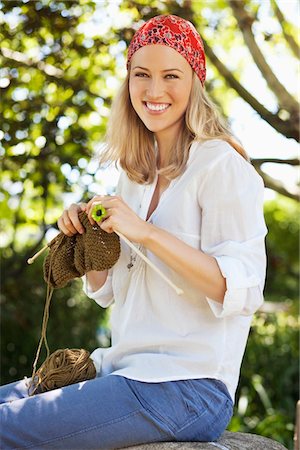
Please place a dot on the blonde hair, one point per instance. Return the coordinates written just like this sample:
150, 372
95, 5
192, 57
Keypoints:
133, 145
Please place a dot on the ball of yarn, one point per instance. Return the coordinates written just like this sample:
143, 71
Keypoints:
61, 368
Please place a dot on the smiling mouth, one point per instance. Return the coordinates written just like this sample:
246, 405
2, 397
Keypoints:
157, 106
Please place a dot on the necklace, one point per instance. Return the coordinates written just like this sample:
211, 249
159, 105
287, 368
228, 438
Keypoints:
133, 255
132, 260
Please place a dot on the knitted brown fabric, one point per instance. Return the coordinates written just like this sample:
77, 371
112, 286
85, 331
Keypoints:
72, 257
62, 264
95, 249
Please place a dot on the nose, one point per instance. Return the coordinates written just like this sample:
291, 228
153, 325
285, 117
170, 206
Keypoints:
155, 88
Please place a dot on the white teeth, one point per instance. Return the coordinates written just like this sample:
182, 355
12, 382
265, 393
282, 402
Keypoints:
157, 107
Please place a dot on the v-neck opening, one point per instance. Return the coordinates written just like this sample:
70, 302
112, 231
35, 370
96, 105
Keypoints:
161, 198
150, 189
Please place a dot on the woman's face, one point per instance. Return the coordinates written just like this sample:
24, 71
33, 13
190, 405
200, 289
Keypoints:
160, 83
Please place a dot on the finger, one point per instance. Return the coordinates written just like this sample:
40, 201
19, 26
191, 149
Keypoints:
103, 199
63, 228
96, 198
105, 225
83, 206
75, 222
67, 226
68, 223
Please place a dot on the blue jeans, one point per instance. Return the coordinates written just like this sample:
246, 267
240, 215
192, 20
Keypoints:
112, 412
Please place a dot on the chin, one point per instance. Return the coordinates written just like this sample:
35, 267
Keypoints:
152, 128
155, 128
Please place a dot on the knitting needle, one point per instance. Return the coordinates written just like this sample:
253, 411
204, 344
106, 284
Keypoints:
178, 290
99, 212
33, 258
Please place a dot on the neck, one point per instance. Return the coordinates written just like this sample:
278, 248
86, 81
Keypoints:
162, 159
165, 142
164, 147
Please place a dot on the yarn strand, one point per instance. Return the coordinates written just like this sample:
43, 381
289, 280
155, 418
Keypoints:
43, 338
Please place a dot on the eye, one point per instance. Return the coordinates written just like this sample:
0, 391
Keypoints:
171, 76
141, 74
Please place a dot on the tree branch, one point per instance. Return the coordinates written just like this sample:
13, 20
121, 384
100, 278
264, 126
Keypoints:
275, 185
288, 37
290, 162
272, 183
288, 128
245, 21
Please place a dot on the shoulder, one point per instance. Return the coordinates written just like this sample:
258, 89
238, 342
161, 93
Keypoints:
220, 170
213, 152
216, 157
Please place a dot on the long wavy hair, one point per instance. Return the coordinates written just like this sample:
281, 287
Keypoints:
131, 144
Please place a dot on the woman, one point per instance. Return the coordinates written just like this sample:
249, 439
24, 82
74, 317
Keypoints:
192, 202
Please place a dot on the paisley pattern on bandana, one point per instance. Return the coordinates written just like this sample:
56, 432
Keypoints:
174, 32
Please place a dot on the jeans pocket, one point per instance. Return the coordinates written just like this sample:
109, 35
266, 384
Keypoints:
217, 403
173, 402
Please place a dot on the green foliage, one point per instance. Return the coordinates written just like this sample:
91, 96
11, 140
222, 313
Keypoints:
282, 215
268, 388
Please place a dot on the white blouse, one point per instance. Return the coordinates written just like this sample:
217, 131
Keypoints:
216, 206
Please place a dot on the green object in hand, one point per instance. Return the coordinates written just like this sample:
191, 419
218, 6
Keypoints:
98, 212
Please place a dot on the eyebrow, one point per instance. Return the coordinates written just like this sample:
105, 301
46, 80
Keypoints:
165, 70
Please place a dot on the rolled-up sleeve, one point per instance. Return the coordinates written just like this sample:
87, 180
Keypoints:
233, 231
104, 295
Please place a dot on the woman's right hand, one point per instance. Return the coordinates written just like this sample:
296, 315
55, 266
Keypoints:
69, 222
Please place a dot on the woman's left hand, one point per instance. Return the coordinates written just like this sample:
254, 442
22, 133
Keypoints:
120, 218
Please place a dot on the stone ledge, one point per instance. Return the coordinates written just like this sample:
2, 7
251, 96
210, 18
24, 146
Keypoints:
228, 441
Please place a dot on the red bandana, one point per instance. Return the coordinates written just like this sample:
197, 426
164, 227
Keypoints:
174, 32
